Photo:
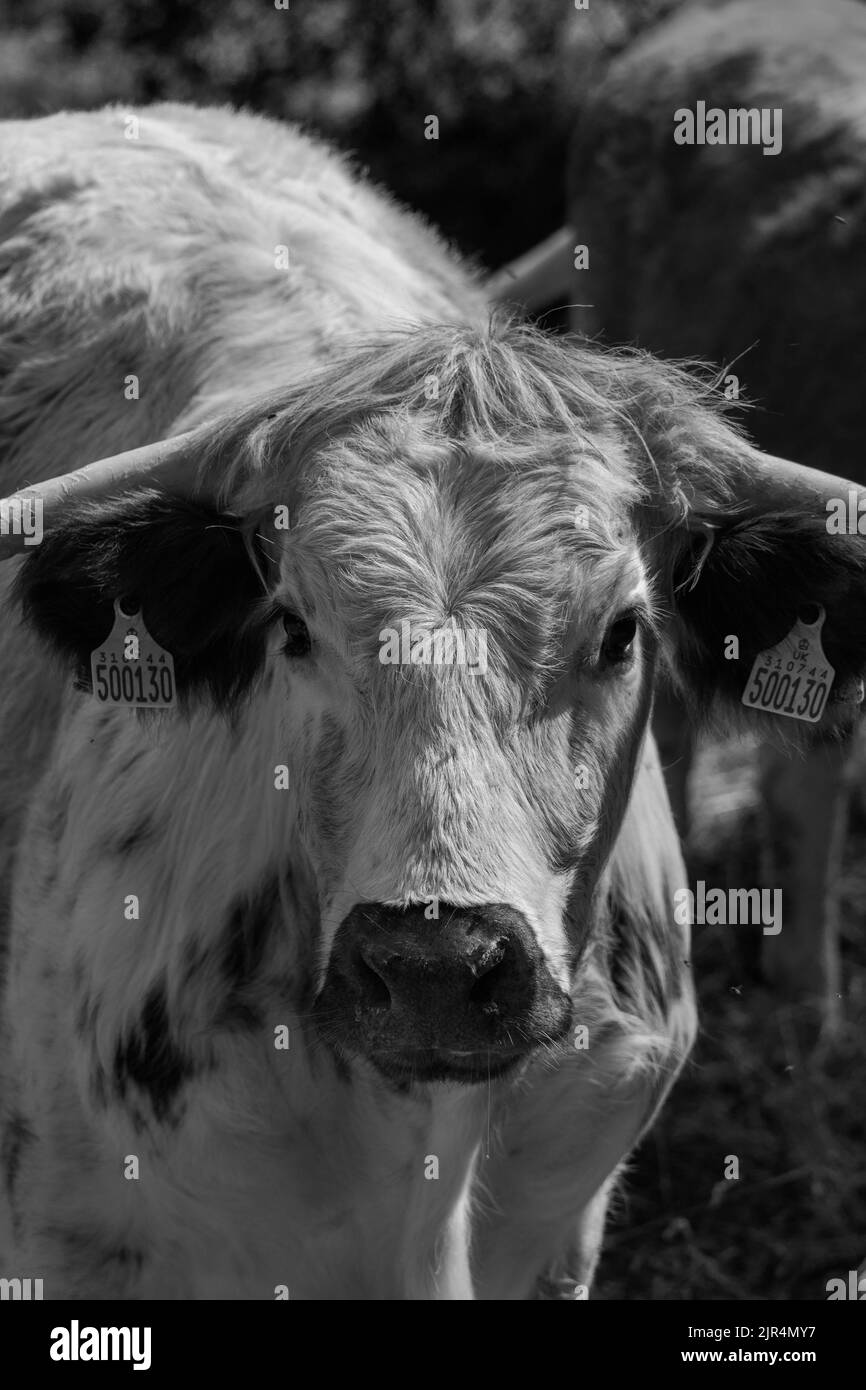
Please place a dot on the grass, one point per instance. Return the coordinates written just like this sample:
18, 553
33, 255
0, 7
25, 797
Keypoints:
791, 1111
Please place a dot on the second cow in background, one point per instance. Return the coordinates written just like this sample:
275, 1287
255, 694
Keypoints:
740, 241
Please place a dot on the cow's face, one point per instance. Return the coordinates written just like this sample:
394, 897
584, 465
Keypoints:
467, 648
457, 646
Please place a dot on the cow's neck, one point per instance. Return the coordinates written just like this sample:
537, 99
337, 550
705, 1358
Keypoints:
322, 1182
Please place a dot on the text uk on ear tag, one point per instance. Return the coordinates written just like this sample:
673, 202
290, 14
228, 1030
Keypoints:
794, 677
130, 668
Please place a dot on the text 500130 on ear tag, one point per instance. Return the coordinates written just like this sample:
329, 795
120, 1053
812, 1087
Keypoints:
130, 668
794, 677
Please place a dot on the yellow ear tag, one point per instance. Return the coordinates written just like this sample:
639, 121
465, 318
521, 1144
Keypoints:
130, 668
794, 677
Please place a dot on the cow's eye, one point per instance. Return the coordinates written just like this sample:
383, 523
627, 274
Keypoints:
619, 640
297, 636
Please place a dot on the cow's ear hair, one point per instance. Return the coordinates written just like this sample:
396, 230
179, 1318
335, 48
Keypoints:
741, 581
743, 546
186, 566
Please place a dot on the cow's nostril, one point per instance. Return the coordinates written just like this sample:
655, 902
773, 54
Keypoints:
490, 973
376, 993
489, 981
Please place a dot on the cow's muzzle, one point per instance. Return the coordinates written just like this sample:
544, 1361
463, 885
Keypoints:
461, 998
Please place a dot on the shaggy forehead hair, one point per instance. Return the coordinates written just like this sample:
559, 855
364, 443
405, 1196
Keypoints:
434, 474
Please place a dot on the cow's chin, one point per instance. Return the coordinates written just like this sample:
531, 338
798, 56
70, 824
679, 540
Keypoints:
405, 1053
425, 1066
406, 1058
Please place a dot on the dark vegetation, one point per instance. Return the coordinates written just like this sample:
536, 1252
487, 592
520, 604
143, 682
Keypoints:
759, 1087
497, 73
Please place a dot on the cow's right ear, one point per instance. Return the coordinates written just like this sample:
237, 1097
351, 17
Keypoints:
186, 566
773, 564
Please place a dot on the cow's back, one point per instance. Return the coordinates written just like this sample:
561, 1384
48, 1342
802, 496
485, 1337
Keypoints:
720, 251
213, 256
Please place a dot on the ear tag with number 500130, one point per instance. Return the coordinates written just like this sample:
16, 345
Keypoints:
130, 668
794, 677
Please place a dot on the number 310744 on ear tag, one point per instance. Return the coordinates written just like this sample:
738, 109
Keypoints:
130, 668
794, 677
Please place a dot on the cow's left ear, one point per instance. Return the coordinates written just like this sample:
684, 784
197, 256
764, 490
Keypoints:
772, 562
185, 565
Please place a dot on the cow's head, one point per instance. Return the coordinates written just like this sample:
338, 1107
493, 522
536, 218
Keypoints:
447, 570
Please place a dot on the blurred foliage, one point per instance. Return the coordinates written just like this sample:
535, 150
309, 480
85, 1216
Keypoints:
498, 74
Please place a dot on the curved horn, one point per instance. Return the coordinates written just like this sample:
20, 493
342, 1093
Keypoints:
168, 463
536, 279
767, 483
